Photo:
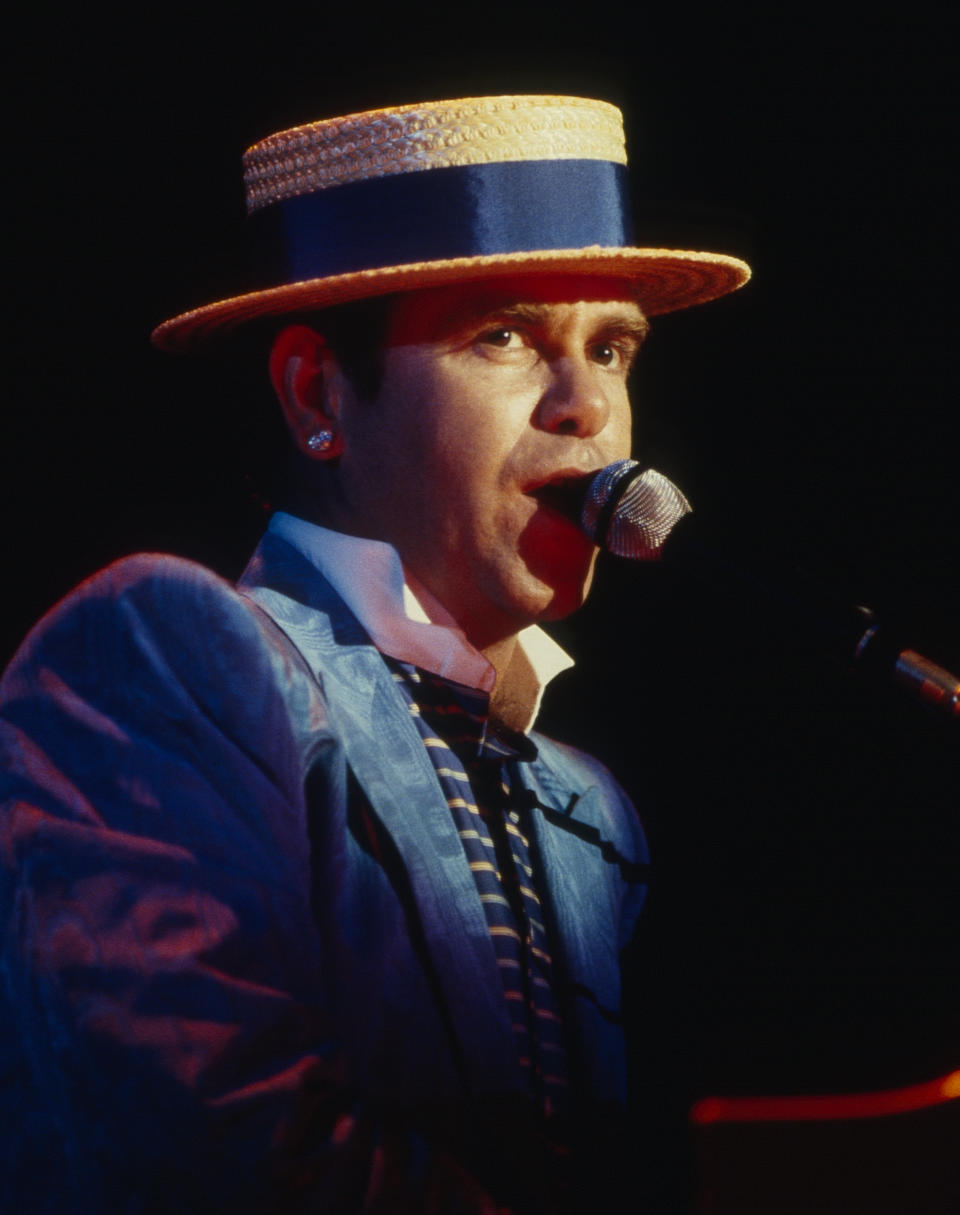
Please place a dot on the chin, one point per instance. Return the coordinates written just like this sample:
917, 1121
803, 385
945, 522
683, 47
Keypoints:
562, 592
566, 602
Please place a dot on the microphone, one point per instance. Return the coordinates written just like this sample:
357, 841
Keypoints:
630, 511
640, 514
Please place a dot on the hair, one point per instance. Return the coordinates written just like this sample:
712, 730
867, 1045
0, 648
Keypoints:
356, 333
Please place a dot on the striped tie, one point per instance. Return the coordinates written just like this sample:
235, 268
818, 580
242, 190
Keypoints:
473, 764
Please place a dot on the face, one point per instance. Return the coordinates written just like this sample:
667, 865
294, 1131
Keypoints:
493, 395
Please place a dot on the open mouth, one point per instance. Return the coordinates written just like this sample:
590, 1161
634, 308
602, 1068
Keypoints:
565, 496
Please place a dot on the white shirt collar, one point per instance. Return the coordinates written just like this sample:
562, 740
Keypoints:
405, 621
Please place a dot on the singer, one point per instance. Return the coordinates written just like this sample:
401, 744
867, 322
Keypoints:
300, 913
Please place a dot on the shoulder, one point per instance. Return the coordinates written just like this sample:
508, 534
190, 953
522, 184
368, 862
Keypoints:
139, 601
569, 773
157, 701
154, 638
563, 755
577, 766
156, 583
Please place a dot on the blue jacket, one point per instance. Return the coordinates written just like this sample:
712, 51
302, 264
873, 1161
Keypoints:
235, 905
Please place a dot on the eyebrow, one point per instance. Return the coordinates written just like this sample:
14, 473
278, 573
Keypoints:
629, 322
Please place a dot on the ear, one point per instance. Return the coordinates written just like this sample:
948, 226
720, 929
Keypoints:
306, 380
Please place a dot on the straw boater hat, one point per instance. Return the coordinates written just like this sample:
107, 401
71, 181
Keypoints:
447, 191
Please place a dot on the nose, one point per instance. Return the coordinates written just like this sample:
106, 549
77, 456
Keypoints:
575, 401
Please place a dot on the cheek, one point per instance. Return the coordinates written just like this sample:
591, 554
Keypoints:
388, 442
620, 425
464, 480
473, 445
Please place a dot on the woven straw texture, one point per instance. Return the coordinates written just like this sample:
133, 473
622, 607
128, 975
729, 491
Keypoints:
436, 135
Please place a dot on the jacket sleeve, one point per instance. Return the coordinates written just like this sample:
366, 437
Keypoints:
159, 958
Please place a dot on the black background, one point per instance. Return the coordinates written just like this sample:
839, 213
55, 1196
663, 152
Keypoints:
801, 930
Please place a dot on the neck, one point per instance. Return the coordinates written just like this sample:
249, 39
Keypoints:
512, 693
500, 655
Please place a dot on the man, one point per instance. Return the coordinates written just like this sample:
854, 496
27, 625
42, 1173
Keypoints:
298, 912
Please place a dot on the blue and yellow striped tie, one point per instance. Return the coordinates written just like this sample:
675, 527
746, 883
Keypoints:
473, 762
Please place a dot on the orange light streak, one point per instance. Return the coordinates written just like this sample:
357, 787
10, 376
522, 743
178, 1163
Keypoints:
827, 1108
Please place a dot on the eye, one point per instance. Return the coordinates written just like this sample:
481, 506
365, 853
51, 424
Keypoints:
617, 355
605, 354
502, 337
506, 344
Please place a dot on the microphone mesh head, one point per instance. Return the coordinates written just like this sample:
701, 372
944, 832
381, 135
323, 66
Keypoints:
634, 510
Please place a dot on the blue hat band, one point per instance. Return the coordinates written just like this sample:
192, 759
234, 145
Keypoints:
453, 212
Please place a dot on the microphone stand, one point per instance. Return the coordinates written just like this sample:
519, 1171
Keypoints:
819, 620
932, 685
641, 515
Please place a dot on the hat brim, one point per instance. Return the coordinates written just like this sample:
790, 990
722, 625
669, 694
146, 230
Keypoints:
665, 280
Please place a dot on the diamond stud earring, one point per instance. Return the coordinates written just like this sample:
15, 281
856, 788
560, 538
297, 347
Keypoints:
320, 440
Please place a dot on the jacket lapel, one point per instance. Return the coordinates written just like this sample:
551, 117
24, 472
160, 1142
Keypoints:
385, 752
